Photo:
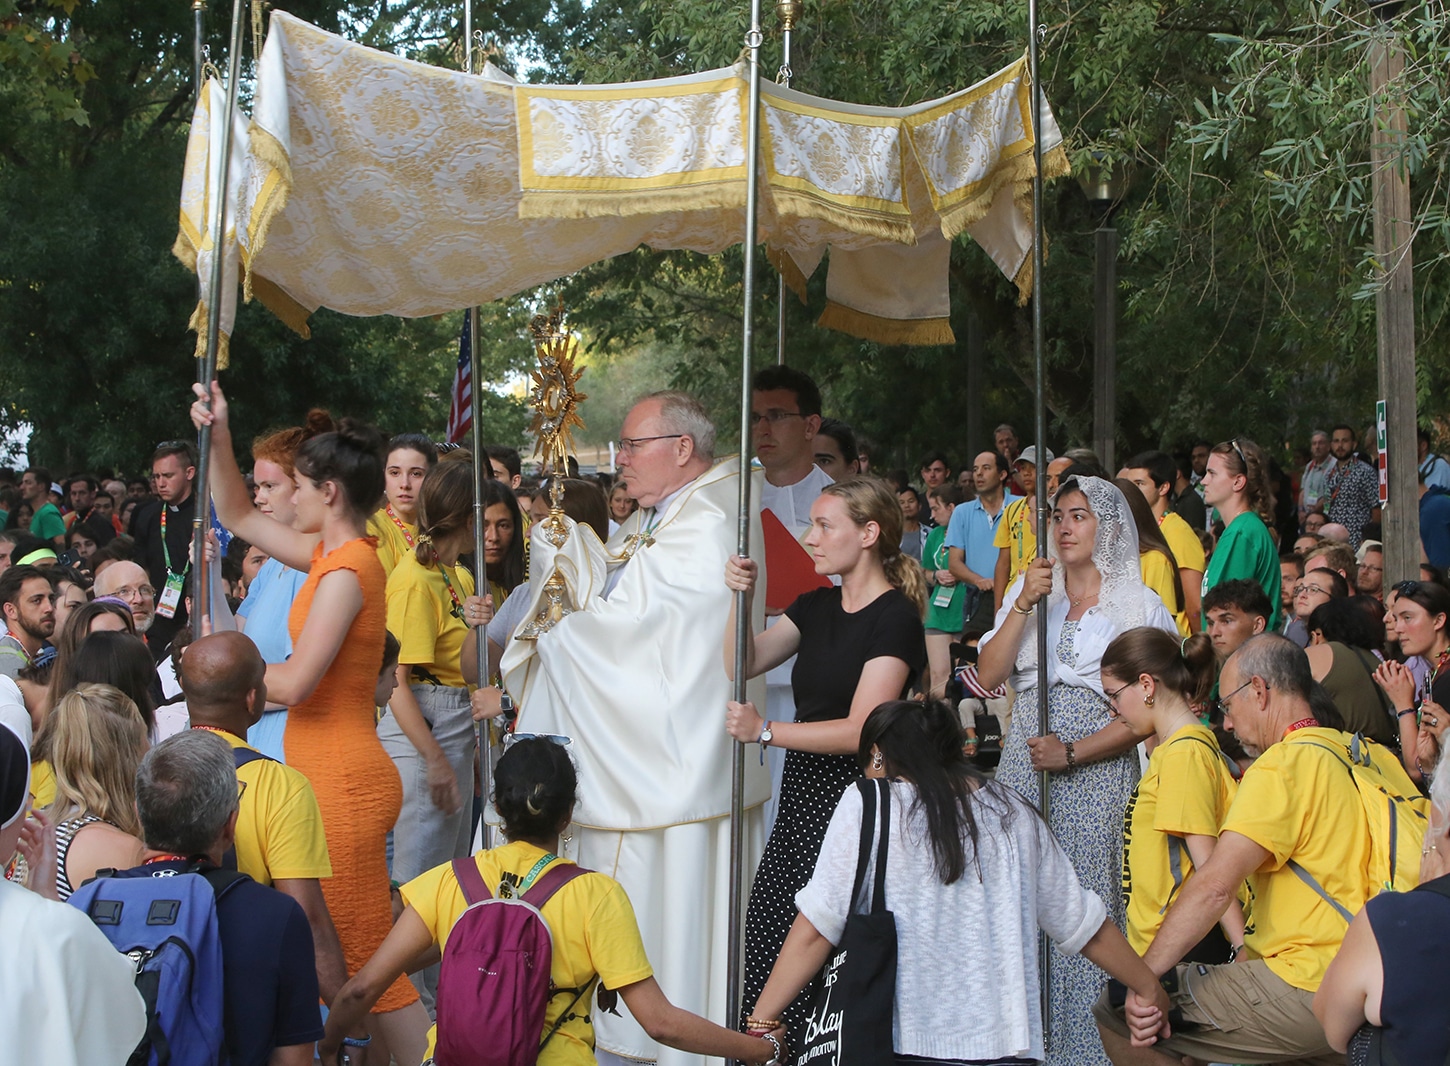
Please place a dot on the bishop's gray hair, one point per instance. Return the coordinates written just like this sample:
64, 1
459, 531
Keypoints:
684, 414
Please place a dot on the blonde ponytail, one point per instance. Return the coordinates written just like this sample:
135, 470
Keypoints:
870, 499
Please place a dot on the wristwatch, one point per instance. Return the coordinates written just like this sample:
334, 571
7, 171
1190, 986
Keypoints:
766, 736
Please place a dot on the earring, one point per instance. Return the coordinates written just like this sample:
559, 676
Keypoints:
1148, 700
877, 762
567, 837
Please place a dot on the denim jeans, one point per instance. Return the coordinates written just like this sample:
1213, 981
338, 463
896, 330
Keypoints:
424, 836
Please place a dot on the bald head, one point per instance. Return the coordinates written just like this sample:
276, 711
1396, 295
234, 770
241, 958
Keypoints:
127, 581
223, 678
1335, 532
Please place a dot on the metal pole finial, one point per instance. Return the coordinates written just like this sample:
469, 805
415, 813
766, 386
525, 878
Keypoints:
789, 13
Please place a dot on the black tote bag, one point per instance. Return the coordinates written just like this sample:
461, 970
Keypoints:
850, 1023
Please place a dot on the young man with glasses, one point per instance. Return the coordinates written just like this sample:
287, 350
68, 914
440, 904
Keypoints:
162, 529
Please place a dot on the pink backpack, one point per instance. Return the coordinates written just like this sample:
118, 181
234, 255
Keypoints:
493, 985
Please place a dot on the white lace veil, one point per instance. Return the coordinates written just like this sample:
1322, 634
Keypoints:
1123, 596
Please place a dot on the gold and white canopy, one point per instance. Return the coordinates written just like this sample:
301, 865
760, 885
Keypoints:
371, 184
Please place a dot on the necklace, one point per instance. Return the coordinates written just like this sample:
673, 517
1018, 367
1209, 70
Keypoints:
1078, 601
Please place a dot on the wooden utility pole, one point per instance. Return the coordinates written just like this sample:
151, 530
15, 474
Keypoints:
1394, 303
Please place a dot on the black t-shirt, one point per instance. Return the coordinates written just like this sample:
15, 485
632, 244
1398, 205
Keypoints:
835, 646
269, 971
146, 528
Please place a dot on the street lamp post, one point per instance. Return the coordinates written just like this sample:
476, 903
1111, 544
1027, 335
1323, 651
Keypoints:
1105, 184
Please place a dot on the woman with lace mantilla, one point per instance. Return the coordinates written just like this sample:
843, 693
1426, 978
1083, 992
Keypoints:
1092, 589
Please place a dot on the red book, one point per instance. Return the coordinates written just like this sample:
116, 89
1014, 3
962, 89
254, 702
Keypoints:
790, 571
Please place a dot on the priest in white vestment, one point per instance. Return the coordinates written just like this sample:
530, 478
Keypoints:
67, 997
634, 676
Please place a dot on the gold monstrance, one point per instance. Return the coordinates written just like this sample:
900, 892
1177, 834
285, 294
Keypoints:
555, 399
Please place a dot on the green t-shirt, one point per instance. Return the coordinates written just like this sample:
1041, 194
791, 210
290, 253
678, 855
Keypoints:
1246, 551
47, 523
946, 617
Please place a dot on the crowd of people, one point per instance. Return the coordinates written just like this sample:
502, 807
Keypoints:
373, 727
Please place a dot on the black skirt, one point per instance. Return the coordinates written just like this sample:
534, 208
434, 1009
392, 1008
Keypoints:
810, 789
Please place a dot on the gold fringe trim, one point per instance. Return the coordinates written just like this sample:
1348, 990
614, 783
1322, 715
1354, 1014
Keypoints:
197, 322
587, 204
185, 248
1018, 173
275, 299
790, 203
790, 273
916, 331
270, 203
1023, 279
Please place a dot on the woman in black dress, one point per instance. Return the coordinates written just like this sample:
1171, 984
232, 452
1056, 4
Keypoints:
857, 645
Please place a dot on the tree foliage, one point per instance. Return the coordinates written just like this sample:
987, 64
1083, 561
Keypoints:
1244, 272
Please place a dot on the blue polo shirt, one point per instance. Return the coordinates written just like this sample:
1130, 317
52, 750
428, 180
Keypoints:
1435, 526
972, 529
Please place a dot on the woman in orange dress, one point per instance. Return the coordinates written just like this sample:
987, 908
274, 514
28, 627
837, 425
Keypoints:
338, 622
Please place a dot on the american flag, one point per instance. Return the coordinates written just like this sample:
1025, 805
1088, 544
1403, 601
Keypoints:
460, 411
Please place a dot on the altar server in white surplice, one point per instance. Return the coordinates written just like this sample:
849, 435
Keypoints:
634, 677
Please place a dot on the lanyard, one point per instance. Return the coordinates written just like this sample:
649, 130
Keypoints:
165, 858
403, 529
166, 548
1303, 723
457, 609
533, 875
1435, 672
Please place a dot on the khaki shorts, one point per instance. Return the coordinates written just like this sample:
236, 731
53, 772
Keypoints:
1241, 1013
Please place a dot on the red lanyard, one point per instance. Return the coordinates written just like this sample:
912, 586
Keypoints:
402, 528
165, 858
1303, 723
457, 606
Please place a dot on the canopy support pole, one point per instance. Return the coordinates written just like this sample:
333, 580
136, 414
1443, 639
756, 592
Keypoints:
481, 469
744, 631
201, 518
198, 12
789, 12
1039, 359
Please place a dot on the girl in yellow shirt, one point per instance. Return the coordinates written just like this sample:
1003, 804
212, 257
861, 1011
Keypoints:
1171, 824
594, 931
395, 525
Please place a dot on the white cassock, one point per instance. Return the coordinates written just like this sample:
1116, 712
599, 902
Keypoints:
67, 997
638, 681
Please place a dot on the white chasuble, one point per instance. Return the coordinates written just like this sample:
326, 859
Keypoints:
638, 682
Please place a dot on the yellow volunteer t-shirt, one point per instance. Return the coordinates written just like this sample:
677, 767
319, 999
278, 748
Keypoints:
590, 918
42, 784
393, 544
1158, 576
279, 829
1298, 801
421, 615
1015, 534
1187, 548
1186, 791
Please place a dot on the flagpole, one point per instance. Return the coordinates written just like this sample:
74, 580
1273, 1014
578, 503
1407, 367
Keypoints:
481, 470
1039, 359
201, 518
743, 628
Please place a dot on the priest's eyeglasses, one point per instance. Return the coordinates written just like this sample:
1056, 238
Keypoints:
626, 445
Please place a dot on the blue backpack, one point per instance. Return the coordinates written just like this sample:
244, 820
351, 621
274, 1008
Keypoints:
167, 925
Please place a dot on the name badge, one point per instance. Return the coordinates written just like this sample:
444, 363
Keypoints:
943, 597
171, 595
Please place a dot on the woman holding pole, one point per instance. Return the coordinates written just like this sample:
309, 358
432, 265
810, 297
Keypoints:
1091, 587
337, 623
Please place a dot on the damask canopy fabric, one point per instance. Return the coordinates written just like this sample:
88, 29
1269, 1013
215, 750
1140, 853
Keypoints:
372, 184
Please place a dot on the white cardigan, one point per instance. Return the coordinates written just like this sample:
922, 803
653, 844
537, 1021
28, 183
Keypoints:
967, 980
1096, 630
